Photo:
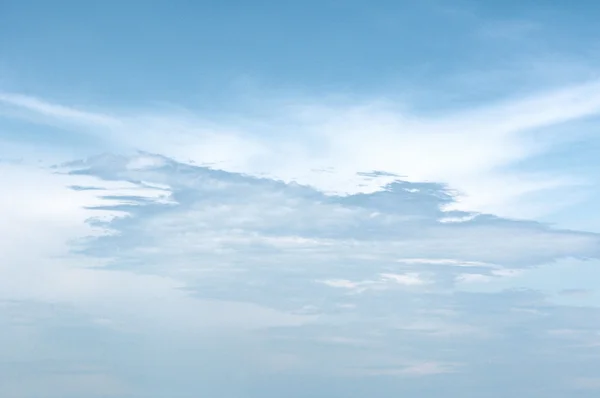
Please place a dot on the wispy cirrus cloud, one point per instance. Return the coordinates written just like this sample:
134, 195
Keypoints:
325, 144
55, 111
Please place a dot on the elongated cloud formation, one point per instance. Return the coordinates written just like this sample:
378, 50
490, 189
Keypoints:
371, 270
326, 145
268, 279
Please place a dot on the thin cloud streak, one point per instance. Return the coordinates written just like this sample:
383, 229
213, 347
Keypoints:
57, 111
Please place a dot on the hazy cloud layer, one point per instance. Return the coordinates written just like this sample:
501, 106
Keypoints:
178, 275
322, 200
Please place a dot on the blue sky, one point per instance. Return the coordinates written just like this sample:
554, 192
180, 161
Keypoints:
310, 199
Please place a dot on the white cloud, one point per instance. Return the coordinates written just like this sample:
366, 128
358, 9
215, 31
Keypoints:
428, 368
474, 151
231, 236
408, 279
414, 369
473, 278
46, 219
341, 283
216, 271
445, 261
385, 281
55, 111
181, 251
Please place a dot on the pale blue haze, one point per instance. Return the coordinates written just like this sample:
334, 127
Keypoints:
313, 199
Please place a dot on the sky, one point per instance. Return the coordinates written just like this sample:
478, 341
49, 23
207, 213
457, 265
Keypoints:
305, 199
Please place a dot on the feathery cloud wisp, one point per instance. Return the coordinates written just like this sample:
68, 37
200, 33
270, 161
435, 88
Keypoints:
476, 152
